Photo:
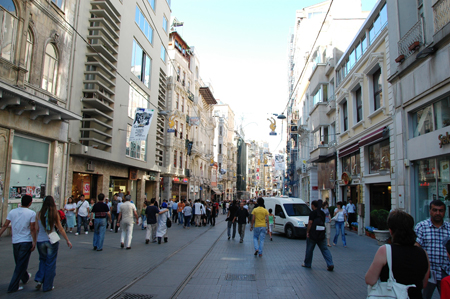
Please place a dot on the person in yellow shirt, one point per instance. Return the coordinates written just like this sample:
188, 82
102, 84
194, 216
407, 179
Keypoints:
260, 224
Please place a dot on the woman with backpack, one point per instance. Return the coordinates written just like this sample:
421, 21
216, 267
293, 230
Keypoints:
48, 243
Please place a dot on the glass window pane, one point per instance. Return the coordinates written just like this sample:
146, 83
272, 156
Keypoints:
152, 4
147, 71
26, 179
425, 184
21, 150
137, 99
7, 42
423, 121
363, 45
137, 15
163, 53
442, 113
9, 5
383, 17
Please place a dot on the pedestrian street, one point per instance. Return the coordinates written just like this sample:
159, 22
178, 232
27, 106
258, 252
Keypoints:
197, 263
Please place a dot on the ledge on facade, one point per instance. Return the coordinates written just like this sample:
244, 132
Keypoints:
207, 95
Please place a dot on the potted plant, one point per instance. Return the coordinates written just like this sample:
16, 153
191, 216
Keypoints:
382, 232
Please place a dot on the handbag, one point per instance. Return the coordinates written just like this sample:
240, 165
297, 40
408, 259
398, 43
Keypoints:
168, 222
390, 288
53, 237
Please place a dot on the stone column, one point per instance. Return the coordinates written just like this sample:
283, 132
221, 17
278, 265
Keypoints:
158, 184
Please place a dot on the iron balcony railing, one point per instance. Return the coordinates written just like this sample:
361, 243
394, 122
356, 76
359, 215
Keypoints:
414, 35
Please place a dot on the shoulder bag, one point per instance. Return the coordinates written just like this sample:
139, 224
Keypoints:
168, 222
390, 288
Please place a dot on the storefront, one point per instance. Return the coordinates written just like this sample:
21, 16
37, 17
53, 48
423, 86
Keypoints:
84, 184
350, 177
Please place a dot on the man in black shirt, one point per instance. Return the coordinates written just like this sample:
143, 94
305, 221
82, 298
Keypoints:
315, 234
151, 212
242, 216
100, 210
231, 219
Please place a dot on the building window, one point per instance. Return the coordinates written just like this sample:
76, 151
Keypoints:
175, 157
152, 3
182, 104
50, 69
165, 23
137, 99
135, 149
181, 131
181, 160
143, 24
423, 121
321, 95
177, 101
379, 157
320, 137
141, 64
344, 116
358, 105
185, 163
163, 53
59, 3
220, 131
377, 90
176, 128
29, 54
351, 164
220, 149
178, 74
169, 2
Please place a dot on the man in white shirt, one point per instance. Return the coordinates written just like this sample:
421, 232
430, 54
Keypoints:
23, 229
82, 215
351, 211
169, 205
199, 209
126, 212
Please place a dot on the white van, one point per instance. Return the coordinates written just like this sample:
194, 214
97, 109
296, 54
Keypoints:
291, 215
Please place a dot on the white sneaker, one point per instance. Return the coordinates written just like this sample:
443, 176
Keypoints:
110, 230
86, 233
76, 234
20, 288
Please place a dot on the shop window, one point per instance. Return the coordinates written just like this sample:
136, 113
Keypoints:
29, 169
137, 99
423, 121
29, 54
442, 113
379, 157
432, 181
141, 64
50, 69
8, 22
351, 164
135, 149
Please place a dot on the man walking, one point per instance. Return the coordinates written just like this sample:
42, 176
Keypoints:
351, 210
101, 211
231, 216
82, 215
251, 206
127, 210
260, 221
151, 212
23, 230
315, 235
242, 216
180, 208
430, 236
199, 209
175, 211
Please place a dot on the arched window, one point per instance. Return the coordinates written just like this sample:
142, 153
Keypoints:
50, 69
8, 23
29, 54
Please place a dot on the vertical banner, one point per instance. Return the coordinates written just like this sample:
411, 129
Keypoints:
279, 162
141, 124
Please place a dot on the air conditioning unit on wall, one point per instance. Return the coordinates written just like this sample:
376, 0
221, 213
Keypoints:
90, 166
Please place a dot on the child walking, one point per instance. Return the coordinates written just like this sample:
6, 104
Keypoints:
271, 223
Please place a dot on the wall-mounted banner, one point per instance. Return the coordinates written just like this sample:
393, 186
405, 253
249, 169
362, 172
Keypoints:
279, 162
141, 124
194, 121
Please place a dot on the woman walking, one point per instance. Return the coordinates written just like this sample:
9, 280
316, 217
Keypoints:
162, 223
48, 219
70, 208
410, 263
327, 222
260, 221
340, 221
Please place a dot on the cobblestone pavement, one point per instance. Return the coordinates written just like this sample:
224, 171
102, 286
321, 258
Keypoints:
197, 263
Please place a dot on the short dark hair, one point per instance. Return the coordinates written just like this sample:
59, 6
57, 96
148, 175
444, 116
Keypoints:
101, 197
315, 203
26, 200
340, 203
152, 201
270, 210
402, 227
325, 203
437, 203
260, 201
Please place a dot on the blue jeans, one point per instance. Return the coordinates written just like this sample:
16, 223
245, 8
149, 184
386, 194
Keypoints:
99, 232
85, 223
143, 219
170, 212
310, 245
259, 233
340, 229
187, 221
230, 223
47, 264
22, 252
180, 217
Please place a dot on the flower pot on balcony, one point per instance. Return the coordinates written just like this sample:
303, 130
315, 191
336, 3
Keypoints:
414, 46
400, 59
382, 236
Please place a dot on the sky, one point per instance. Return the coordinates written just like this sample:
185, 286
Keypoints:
242, 46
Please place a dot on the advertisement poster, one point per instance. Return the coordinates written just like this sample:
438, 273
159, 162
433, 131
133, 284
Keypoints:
141, 124
86, 189
194, 121
279, 162
445, 172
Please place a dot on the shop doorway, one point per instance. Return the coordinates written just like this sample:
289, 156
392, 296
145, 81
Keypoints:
84, 184
380, 198
118, 185
350, 192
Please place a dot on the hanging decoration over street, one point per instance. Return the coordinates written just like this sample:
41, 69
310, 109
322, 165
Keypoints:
141, 124
273, 126
171, 124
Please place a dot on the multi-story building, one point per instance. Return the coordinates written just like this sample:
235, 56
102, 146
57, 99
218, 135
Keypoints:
316, 45
36, 58
120, 64
225, 150
365, 142
419, 34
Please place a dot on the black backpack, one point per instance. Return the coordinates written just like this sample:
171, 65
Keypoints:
317, 231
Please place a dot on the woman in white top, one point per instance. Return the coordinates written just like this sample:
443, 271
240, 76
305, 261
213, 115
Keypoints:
161, 231
48, 219
340, 221
70, 208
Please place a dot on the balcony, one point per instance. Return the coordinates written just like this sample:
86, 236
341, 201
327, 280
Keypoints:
329, 67
406, 43
331, 107
318, 115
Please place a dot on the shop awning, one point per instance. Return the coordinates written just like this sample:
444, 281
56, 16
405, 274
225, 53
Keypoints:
216, 190
349, 150
379, 134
